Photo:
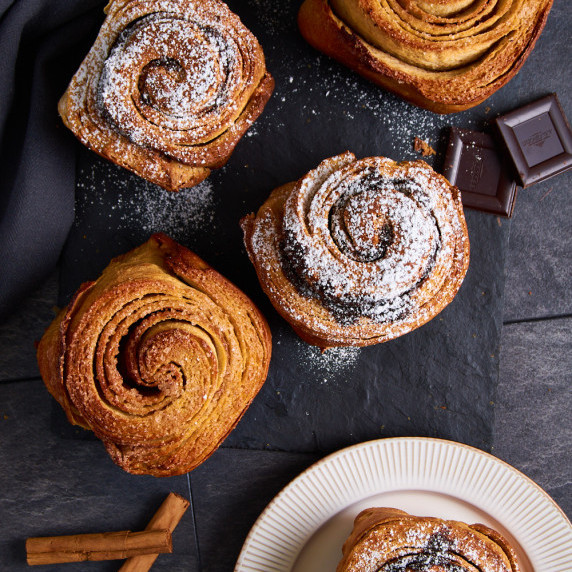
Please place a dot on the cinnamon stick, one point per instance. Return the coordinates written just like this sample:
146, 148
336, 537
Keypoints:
167, 517
99, 546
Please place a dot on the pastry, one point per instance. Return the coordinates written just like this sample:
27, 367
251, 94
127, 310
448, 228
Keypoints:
443, 55
358, 252
168, 89
390, 540
160, 357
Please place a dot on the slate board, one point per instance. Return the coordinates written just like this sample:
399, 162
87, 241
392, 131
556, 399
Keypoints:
437, 381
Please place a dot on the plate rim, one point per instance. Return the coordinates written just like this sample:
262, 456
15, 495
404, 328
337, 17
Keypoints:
382, 446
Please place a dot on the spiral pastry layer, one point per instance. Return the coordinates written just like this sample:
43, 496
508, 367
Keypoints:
390, 540
444, 55
168, 88
358, 252
160, 358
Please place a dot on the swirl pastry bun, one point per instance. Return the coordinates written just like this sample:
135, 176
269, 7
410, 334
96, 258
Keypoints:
358, 252
160, 358
168, 89
389, 539
443, 55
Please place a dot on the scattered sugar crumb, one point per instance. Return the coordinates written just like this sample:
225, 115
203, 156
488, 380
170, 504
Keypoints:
327, 363
140, 206
423, 147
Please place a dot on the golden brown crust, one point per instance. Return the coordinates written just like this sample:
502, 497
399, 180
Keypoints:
359, 252
160, 358
443, 56
387, 538
168, 89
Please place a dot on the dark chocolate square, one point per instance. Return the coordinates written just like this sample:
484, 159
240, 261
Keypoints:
474, 165
538, 139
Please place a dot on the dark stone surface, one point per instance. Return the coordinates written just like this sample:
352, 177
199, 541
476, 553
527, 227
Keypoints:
22, 329
539, 264
53, 486
533, 426
230, 490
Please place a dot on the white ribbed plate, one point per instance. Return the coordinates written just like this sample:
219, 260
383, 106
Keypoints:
304, 527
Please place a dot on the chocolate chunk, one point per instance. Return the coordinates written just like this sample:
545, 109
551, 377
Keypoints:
538, 139
474, 165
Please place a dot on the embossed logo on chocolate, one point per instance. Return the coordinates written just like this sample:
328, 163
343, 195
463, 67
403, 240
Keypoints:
538, 138
479, 170
475, 172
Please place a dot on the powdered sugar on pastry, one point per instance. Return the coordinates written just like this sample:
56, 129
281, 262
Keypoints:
168, 89
359, 251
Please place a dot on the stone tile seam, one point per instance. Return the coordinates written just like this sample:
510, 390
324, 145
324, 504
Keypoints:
195, 524
20, 379
537, 319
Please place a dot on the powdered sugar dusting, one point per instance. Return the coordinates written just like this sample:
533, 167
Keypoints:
184, 72
361, 240
324, 365
139, 207
425, 544
192, 208
272, 16
330, 362
323, 90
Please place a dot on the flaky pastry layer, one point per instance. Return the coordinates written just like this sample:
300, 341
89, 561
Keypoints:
168, 89
443, 55
160, 358
391, 540
358, 252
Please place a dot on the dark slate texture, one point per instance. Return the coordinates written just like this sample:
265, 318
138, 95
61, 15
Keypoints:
539, 265
316, 397
436, 381
230, 490
54, 486
533, 428
21, 329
